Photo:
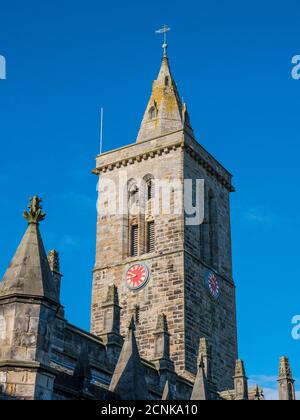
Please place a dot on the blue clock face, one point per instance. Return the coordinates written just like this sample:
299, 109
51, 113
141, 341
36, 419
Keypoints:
212, 283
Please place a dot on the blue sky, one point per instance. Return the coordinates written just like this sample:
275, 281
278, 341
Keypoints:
232, 63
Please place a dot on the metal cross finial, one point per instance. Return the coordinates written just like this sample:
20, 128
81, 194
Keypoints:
164, 31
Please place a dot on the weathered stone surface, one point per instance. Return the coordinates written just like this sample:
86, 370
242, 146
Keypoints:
200, 390
128, 380
29, 272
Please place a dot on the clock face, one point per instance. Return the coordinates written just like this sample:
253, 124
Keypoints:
137, 276
213, 284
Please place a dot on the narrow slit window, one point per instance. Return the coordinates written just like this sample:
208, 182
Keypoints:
134, 246
150, 190
150, 237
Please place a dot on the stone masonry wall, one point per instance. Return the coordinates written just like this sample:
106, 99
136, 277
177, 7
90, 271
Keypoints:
165, 291
205, 316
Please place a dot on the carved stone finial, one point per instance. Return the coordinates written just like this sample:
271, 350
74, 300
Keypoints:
162, 324
53, 259
35, 213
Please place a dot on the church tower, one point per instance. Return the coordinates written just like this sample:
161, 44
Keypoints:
164, 261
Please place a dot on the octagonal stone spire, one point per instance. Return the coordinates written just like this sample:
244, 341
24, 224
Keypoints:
165, 113
29, 273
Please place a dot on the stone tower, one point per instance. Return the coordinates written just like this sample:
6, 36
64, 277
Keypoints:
29, 304
286, 381
161, 259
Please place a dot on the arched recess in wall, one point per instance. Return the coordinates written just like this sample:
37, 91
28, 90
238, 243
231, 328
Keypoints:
132, 225
149, 219
209, 241
153, 111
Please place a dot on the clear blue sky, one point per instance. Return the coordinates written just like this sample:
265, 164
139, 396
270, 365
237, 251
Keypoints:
232, 62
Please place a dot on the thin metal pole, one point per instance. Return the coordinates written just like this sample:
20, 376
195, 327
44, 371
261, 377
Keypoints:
101, 131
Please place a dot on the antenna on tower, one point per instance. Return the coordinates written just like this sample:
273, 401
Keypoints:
101, 130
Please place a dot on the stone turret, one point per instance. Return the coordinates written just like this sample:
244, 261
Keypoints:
162, 360
240, 381
111, 325
162, 339
205, 356
285, 381
128, 380
28, 305
54, 263
29, 273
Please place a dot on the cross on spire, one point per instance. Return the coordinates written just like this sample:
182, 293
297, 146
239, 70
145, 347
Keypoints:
163, 31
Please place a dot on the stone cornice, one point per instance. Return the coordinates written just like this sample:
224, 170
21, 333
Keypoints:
165, 149
31, 299
150, 154
24, 364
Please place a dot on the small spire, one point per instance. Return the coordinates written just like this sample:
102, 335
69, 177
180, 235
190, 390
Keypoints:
257, 393
162, 339
53, 259
285, 371
162, 324
129, 376
35, 213
112, 296
240, 381
200, 390
286, 381
204, 354
240, 369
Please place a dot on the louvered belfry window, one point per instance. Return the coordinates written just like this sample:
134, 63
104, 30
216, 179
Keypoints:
150, 237
134, 246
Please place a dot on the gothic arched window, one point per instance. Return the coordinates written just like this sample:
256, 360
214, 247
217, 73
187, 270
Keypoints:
152, 113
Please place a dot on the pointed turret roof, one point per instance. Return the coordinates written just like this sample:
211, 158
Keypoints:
165, 112
285, 371
29, 272
240, 370
200, 392
129, 377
